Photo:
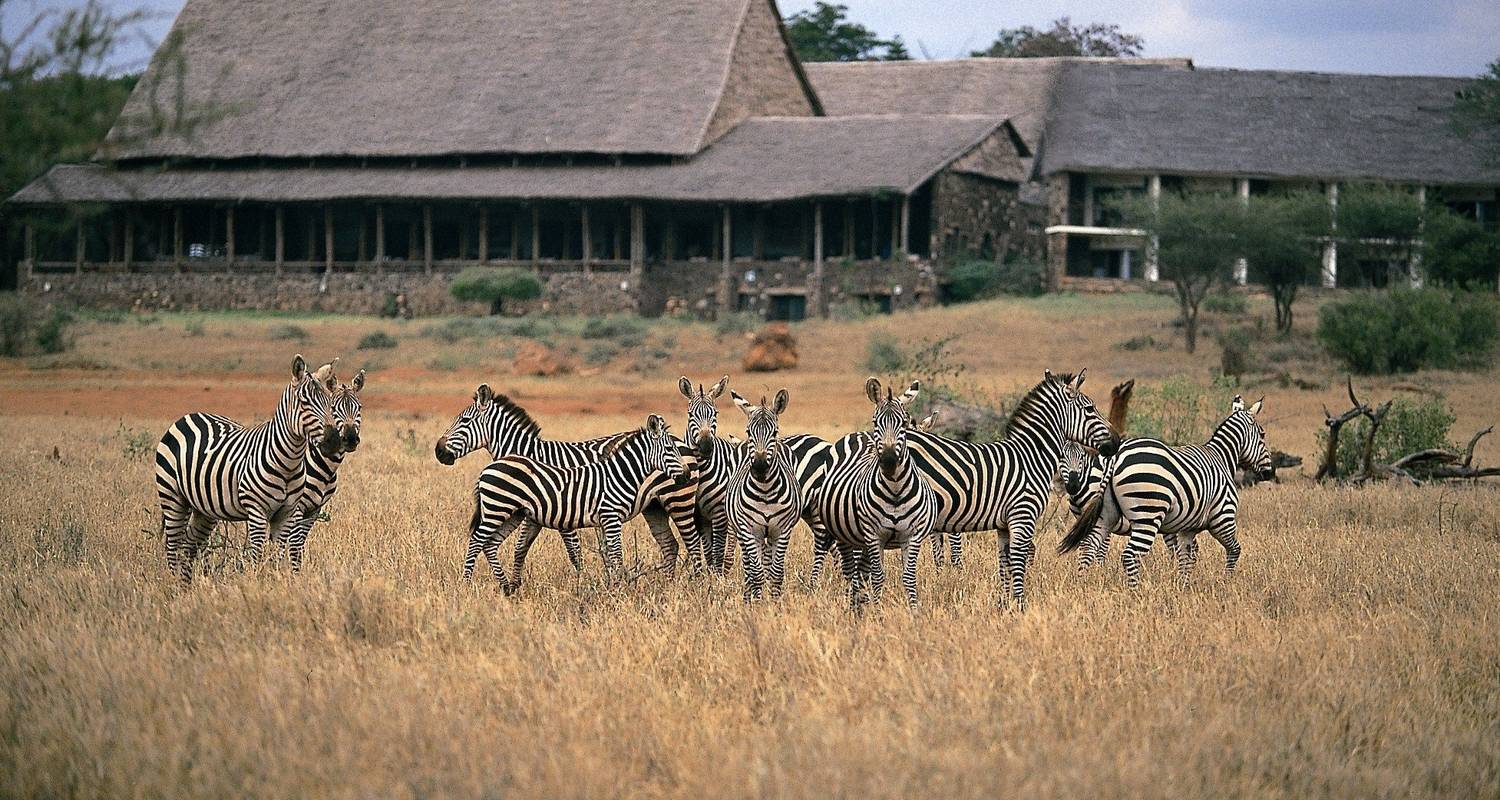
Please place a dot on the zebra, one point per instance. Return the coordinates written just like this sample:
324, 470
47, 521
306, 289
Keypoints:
762, 501
519, 491
874, 498
1178, 492
496, 423
210, 468
1004, 486
716, 459
322, 470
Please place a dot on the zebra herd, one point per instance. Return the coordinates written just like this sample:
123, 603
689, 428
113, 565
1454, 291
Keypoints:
894, 486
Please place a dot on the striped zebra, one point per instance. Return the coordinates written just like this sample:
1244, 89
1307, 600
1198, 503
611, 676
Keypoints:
762, 501
874, 498
210, 468
1004, 486
496, 423
1082, 474
1178, 492
519, 491
322, 470
716, 460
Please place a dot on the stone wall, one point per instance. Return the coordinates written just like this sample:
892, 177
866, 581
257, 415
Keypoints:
344, 293
968, 208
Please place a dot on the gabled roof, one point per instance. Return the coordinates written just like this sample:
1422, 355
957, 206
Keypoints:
763, 159
1261, 123
1019, 89
304, 78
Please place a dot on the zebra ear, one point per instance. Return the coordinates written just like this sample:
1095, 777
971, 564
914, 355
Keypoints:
1078, 381
484, 395
325, 376
1046, 374
1255, 409
744, 404
911, 393
718, 389
781, 400
359, 381
655, 425
927, 422
685, 386
1237, 404
872, 390
299, 366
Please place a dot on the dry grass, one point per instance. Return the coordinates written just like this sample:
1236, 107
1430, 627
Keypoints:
1356, 654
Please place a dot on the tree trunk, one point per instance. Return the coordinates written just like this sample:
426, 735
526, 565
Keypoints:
1190, 328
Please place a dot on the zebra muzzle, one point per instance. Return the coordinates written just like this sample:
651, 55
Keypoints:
444, 455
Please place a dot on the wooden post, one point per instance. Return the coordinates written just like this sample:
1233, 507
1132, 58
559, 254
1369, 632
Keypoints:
1331, 249
758, 234
726, 271
114, 240
363, 248
79, 246
280, 238
895, 229
177, 236
484, 234
379, 238
905, 225
328, 238
229, 237
637, 243
817, 281
515, 235
427, 238
30, 248
1153, 247
129, 254
1241, 266
536, 234
312, 237
617, 232
588, 237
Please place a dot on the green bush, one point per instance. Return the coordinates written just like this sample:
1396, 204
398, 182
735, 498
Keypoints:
736, 324
193, 327
625, 330
1405, 330
26, 328
1022, 277
376, 340
970, 280
1226, 303
495, 285
883, 354
296, 332
850, 309
1234, 351
1409, 426
1179, 410
600, 353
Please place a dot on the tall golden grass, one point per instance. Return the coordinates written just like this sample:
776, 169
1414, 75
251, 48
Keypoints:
1355, 654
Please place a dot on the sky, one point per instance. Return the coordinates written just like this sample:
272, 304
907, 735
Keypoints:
1420, 37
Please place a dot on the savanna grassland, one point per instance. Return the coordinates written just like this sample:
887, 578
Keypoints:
1355, 654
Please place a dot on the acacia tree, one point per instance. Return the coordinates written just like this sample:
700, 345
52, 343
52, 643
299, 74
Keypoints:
1197, 243
826, 34
1476, 113
1063, 38
1378, 224
1279, 236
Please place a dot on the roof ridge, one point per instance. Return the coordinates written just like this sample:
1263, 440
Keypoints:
700, 140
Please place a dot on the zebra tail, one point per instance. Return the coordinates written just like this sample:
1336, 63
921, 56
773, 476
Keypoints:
1084, 525
478, 514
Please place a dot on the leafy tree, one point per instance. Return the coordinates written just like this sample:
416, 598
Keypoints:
1197, 243
1279, 237
495, 286
826, 34
1457, 251
1477, 112
1381, 224
1063, 39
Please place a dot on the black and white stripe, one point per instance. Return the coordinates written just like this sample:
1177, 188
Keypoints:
1178, 492
763, 502
210, 468
496, 423
874, 498
322, 470
715, 463
520, 491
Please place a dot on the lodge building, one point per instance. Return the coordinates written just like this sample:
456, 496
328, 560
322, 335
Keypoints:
657, 155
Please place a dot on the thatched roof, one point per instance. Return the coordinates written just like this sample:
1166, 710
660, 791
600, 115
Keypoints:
1019, 89
1258, 123
295, 78
762, 160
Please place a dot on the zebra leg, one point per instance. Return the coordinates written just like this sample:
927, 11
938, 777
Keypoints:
875, 570
479, 539
614, 551
778, 546
296, 539
937, 551
199, 529
666, 542
529, 530
260, 531
1021, 547
909, 567
174, 529
750, 551
1224, 530
822, 543
1142, 535
849, 566
574, 548
955, 547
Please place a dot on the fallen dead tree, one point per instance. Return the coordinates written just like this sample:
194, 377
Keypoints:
1432, 464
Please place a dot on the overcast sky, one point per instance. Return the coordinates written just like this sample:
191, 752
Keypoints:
1420, 37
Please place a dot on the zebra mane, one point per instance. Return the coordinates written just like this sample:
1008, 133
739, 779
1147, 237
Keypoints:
1033, 399
619, 444
523, 420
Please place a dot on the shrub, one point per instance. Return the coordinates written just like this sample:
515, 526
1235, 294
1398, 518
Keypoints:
495, 285
1409, 426
1226, 303
376, 340
193, 327
52, 334
26, 328
736, 324
1234, 352
288, 332
1022, 277
1180, 410
970, 280
851, 309
628, 331
883, 354
1405, 330
600, 354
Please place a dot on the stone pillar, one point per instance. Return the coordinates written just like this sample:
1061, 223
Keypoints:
536, 235
1153, 245
229, 238
637, 244
30, 249
816, 295
1241, 266
379, 239
726, 270
1418, 276
80, 246
1331, 249
905, 225
1125, 264
427, 238
1057, 243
